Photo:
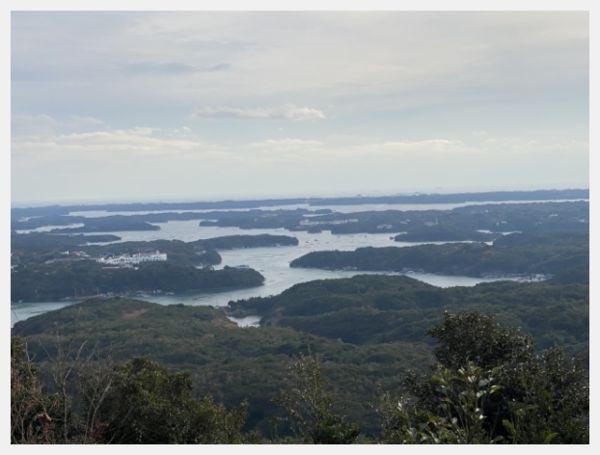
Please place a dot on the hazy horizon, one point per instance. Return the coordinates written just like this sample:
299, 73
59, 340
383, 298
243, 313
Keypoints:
134, 106
240, 197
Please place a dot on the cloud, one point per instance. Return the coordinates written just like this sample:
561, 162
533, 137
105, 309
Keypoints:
303, 113
286, 112
363, 97
287, 151
411, 151
174, 68
43, 124
332, 153
139, 142
32, 124
520, 147
425, 145
287, 143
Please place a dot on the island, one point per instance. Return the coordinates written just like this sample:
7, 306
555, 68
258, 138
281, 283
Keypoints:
46, 266
483, 222
551, 254
77, 279
420, 198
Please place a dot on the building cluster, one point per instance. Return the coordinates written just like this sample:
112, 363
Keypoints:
136, 258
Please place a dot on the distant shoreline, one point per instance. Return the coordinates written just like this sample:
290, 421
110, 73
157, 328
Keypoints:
422, 198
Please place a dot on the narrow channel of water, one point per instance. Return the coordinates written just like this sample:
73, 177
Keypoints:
272, 262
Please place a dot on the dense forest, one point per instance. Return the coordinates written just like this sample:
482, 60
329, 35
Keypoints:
366, 359
76, 279
44, 271
380, 309
515, 254
38, 242
462, 223
473, 222
130, 371
129, 222
48, 244
197, 252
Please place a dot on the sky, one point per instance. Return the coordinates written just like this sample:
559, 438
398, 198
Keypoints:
132, 106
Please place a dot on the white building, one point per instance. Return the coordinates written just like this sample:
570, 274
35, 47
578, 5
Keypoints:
136, 258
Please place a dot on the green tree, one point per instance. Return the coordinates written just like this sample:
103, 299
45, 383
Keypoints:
489, 385
545, 400
147, 404
32, 411
475, 337
309, 406
456, 417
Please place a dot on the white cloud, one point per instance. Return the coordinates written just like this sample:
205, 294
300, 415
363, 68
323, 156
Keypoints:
288, 112
287, 143
425, 145
519, 147
334, 152
40, 124
355, 97
138, 142
303, 113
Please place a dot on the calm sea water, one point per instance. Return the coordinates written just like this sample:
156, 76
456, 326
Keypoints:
272, 262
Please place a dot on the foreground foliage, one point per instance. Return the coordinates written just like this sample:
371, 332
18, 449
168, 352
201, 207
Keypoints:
30, 407
490, 386
148, 404
487, 382
230, 363
136, 402
310, 407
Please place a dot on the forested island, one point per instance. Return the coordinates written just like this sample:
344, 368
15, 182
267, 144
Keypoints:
536, 195
471, 223
48, 267
83, 278
197, 252
474, 222
142, 222
44, 242
502, 362
515, 254
102, 225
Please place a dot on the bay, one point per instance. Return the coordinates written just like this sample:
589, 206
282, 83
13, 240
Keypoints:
272, 262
